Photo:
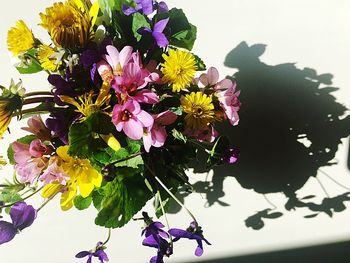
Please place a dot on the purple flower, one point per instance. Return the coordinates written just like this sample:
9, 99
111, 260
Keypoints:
155, 237
61, 87
157, 32
231, 156
193, 232
162, 7
22, 216
145, 7
98, 253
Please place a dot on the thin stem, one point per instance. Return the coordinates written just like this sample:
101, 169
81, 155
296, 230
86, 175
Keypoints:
108, 237
29, 111
127, 158
341, 185
23, 199
37, 93
37, 100
164, 214
323, 188
170, 193
46, 202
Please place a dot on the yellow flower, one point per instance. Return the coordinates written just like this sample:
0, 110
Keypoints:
20, 39
47, 57
85, 104
69, 24
199, 109
81, 174
178, 69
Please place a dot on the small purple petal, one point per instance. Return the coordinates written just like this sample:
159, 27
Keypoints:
102, 256
22, 215
175, 232
147, 7
150, 241
82, 254
162, 7
199, 250
161, 39
128, 10
7, 232
160, 25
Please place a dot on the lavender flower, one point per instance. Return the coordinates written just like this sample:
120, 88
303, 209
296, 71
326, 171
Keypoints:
22, 216
157, 32
231, 156
98, 253
193, 232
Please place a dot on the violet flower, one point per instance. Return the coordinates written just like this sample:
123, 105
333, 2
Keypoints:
145, 7
22, 216
231, 156
157, 32
155, 237
193, 232
98, 253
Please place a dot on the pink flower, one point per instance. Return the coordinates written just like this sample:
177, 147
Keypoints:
30, 159
114, 63
37, 127
54, 172
131, 119
228, 98
208, 134
208, 79
156, 135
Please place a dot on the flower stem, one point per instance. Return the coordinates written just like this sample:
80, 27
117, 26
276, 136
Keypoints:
108, 237
38, 93
164, 214
23, 199
37, 100
46, 201
127, 158
170, 193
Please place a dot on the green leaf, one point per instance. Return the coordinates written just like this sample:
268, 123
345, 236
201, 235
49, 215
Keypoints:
200, 63
218, 151
138, 21
120, 200
134, 162
82, 203
9, 197
80, 140
101, 123
182, 33
26, 140
29, 63
179, 135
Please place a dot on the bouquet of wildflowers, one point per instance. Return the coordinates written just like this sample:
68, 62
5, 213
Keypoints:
125, 113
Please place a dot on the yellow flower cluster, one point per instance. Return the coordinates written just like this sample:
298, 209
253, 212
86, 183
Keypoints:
20, 39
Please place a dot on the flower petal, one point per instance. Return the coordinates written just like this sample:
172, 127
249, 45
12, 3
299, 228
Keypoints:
133, 129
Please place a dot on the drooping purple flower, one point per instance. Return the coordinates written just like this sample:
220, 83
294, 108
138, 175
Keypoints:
157, 32
98, 253
61, 87
162, 7
22, 216
156, 237
193, 232
145, 7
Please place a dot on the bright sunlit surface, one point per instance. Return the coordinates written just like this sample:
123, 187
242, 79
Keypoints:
293, 35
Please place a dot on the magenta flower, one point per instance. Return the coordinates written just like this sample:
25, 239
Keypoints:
22, 216
114, 62
30, 159
156, 135
131, 119
193, 232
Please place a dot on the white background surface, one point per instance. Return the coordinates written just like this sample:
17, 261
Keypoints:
312, 33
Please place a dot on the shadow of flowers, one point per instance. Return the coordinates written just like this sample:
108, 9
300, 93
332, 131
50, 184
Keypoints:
291, 125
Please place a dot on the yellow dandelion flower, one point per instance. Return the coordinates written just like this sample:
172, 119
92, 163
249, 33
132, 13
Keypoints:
82, 176
20, 39
68, 24
199, 109
179, 69
47, 57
